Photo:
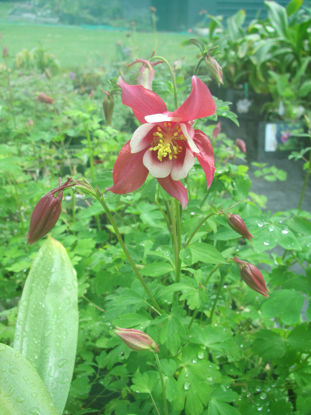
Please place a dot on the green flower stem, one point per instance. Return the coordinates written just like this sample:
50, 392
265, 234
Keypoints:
207, 279
178, 236
101, 200
93, 304
154, 404
89, 142
172, 76
305, 184
197, 228
162, 384
220, 287
156, 199
175, 219
198, 65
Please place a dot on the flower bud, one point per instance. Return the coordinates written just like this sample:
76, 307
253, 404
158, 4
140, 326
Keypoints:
5, 52
137, 340
214, 68
45, 98
241, 144
46, 213
252, 276
216, 130
108, 104
146, 72
237, 224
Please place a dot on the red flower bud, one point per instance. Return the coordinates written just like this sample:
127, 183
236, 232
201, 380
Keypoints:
46, 213
45, 98
237, 224
252, 276
216, 130
241, 144
137, 340
5, 52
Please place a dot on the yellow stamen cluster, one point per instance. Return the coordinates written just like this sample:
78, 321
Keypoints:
165, 141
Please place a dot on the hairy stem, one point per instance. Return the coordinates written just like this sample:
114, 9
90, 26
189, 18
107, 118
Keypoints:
101, 200
162, 384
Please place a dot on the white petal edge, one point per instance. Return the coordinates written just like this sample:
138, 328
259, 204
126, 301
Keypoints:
181, 171
158, 169
190, 141
137, 141
154, 118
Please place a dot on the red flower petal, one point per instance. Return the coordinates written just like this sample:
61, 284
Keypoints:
142, 101
175, 189
129, 173
205, 156
199, 104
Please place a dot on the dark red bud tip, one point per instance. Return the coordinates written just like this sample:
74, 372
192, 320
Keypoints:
44, 216
241, 144
137, 340
46, 212
237, 224
45, 98
252, 276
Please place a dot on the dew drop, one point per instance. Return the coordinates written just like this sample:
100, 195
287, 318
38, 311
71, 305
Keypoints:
187, 386
201, 355
284, 231
194, 361
266, 243
260, 225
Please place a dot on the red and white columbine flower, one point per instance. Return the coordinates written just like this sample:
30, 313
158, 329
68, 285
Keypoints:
166, 144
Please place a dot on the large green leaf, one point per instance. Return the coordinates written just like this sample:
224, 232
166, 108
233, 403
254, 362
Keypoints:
47, 323
206, 253
293, 6
21, 388
278, 18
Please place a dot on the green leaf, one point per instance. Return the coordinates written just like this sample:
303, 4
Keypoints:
156, 269
47, 323
293, 6
145, 382
278, 18
206, 253
300, 338
21, 388
285, 305
269, 345
218, 404
172, 332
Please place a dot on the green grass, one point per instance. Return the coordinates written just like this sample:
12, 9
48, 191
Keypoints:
5, 7
75, 46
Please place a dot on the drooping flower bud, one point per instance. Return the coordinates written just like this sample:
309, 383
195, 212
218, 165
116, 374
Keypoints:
108, 104
214, 68
46, 213
5, 52
146, 72
216, 130
137, 340
45, 98
241, 144
252, 276
237, 224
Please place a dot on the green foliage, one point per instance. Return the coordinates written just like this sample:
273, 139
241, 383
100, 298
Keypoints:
47, 322
224, 349
22, 390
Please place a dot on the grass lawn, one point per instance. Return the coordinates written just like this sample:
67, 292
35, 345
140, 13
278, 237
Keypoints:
75, 46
